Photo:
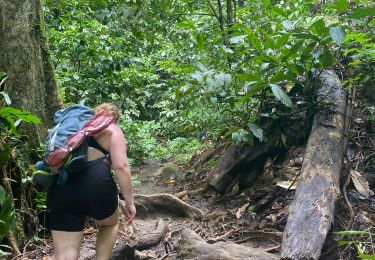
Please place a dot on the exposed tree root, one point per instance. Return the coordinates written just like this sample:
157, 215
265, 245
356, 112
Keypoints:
192, 246
165, 204
189, 193
146, 236
148, 239
149, 229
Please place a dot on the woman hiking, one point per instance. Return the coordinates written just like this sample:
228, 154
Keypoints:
93, 193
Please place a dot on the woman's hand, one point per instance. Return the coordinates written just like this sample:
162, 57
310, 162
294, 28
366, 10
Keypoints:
130, 211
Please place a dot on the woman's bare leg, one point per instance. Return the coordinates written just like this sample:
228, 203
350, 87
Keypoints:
107, 235
67, 245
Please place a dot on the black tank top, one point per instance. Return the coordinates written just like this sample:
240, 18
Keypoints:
94, 144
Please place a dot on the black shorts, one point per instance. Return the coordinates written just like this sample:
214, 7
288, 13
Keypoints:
91, 193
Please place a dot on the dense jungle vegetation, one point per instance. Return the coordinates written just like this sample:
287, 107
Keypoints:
184, 71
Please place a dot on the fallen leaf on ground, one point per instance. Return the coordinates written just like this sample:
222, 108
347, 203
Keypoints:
241, 210
286, 185
361, 184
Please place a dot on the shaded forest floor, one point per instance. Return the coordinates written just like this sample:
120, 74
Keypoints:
254, 217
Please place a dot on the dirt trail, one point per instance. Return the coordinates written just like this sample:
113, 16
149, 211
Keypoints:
203, 221
148, 182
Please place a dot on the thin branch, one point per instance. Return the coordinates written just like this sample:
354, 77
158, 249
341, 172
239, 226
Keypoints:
3, 81
213, 10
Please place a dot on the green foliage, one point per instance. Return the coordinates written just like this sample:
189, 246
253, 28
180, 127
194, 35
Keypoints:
166, 63
40, 201
356, 39
183, 148
141, 140
142, 143
359, 239
7, 217
170, 170
10, 119
369, 113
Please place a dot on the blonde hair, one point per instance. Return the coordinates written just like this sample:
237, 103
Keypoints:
110, 108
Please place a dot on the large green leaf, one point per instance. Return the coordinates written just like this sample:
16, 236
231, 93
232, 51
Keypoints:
279, 11
326, 59
2, 195
237, 39
306, 36
5, 152
281, 41
281, 95
337, 34
257, 131
200, 42
319, 28
366, 256
294, 49
362, 12
352, 232
7, 217
7, 112
339, 5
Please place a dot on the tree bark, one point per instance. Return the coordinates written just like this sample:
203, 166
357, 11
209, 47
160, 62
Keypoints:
31, 86
222, 22
230, 13
312, 211
25, 58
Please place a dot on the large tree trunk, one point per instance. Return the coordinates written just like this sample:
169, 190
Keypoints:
312, 211
31, 86
25, 58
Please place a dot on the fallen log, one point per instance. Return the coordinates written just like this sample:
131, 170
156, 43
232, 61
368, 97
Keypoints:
312, 211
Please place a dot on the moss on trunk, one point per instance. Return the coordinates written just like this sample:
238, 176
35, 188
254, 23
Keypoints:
31, 85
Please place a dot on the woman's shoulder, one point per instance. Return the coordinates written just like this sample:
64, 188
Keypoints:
110, 130
114, 129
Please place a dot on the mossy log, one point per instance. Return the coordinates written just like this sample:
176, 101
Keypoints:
312, 211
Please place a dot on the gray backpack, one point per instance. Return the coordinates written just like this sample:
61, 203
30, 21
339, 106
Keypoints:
67, 122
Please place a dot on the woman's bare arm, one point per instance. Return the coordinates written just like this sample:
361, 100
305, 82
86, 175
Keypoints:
120, 164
